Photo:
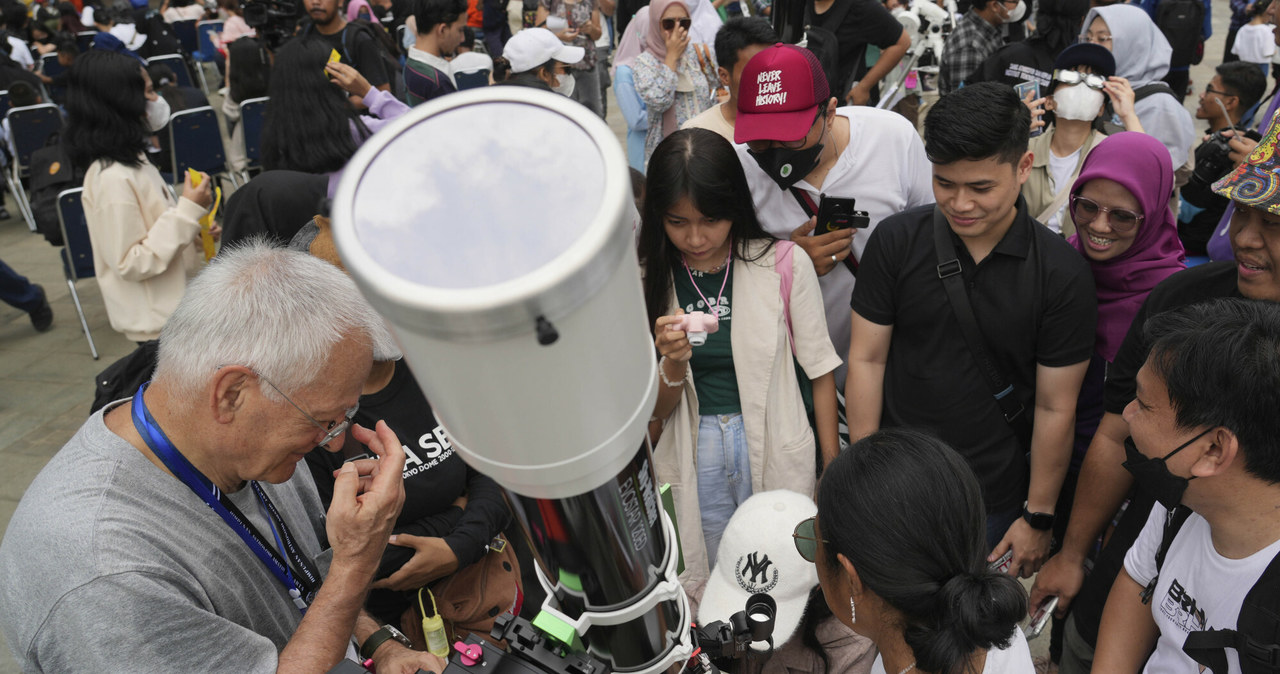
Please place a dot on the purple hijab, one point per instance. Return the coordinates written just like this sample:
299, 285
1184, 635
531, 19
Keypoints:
1140, 163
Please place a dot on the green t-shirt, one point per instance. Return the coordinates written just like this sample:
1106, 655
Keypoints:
712, 363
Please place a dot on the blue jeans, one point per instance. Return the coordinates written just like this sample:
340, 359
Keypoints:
724, 475
17, 291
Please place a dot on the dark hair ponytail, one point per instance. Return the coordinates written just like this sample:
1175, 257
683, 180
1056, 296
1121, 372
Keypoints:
906, 511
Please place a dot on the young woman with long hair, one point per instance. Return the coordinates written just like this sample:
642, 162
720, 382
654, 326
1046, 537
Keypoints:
145, 245
311, 125
735, 410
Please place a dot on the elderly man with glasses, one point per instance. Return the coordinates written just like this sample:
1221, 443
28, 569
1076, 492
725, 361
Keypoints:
174, 531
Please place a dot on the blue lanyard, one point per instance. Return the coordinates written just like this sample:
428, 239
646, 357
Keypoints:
303, 586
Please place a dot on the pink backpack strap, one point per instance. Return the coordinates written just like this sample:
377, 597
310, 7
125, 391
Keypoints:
782, 255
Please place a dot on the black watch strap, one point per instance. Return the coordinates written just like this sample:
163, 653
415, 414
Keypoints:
380, 637
1038, 521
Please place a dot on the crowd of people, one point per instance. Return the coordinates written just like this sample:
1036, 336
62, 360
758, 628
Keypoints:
1055, 289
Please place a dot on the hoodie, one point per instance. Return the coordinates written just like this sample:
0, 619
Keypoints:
1142, 56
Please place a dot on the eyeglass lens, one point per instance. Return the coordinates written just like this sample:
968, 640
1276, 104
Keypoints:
1086, 211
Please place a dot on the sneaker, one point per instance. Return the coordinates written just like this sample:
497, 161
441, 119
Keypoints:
4, 213
42, 317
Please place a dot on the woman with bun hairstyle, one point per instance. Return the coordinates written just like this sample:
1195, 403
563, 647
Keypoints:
734, 411
900, 545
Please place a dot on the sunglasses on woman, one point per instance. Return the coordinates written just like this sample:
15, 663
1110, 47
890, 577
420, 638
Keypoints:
806, 539
1076, 77
1085, 211
670, 24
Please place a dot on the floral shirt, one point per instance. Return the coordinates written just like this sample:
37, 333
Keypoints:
656, 85
577, 14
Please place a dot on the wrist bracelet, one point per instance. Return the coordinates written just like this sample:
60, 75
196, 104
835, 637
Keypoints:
663, 373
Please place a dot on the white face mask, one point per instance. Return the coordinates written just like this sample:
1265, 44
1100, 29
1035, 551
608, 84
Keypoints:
1077, 101
157, 114
565, 86
1017, 13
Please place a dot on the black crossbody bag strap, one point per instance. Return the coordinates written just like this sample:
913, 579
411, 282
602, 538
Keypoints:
953, 283
806, 205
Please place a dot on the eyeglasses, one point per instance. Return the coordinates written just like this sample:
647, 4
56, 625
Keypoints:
332, 430
762, 145
1101, 38
1076, 77
1208, 89
806, 539
670, 24
1085, 211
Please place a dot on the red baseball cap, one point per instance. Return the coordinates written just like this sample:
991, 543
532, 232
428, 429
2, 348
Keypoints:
780, 91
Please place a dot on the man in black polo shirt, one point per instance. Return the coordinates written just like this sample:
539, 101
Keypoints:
1104, 483
355, 44
1032, 298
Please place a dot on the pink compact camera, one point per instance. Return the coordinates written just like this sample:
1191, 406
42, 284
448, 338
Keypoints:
697, 325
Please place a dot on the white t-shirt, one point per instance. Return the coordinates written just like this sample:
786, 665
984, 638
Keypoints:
1016, 659
1254, 43
21, 53
884, 168
1198, 588
712, 119
1060, 170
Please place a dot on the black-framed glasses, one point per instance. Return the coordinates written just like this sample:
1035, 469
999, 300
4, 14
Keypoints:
806, 539
670, 24
1076, 77
331, 430
1208, 89
1085, 211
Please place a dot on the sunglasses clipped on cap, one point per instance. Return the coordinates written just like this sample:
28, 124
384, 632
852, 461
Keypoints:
806, 539
670, 24
1076, 77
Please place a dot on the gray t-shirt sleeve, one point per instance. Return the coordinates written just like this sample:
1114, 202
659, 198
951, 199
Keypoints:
156, 623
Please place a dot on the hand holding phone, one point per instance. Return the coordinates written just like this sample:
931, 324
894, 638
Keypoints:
836, 213
1041, 618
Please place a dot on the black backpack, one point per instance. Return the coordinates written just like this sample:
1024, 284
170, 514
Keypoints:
1182, 21
51, 173
390, 61
1256, 638
161, 40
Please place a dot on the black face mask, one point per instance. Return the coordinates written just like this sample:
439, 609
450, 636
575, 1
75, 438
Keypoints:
788, 167
1153, 475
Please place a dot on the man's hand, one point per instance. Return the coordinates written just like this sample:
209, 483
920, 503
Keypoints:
1030, 548
858, 95
1037, 107
393, 658
1241, 146
432, 559
360, 517
1061, 577
826, 250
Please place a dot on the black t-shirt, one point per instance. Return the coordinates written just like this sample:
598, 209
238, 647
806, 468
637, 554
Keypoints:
1025, 61
1033, 297
434, 477
1190, 286
863, 22
360, 51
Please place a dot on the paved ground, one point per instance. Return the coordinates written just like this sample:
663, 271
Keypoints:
46, 380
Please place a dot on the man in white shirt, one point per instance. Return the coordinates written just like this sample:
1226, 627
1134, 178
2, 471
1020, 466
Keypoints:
736, 42
796, 146
1204, 436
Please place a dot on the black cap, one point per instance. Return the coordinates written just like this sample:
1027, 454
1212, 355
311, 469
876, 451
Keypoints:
1095, 56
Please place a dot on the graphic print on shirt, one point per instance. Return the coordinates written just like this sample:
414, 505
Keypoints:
1180, 608
435, 448
721, 306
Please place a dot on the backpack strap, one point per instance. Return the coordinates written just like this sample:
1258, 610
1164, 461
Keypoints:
782, 254
1256, 638
1152, 88
1173, 522
953, 282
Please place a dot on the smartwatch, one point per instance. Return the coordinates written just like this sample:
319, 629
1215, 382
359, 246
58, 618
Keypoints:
1038, 521
380, 637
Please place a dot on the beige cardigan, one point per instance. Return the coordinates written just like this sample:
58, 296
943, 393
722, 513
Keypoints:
1038, 190
781, 444
145, 247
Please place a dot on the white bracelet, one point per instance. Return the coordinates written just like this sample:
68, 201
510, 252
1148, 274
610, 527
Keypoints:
663, 373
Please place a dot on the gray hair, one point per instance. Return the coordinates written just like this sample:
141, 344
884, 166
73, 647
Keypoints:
276, 311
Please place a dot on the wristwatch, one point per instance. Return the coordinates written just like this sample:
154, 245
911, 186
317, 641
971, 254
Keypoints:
380, 637
1038, 521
